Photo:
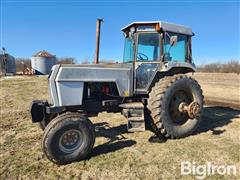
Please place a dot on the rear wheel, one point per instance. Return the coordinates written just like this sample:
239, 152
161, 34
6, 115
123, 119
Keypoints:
67, 138
175, 104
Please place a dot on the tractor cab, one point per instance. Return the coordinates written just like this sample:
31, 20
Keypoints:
157, 41
156, 46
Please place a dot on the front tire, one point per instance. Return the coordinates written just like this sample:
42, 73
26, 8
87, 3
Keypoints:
165, 100
67, 138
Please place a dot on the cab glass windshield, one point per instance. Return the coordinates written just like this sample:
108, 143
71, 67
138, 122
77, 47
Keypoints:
176, 52
148, 48
128, 55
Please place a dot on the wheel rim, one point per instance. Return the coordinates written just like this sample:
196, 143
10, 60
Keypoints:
70, 141
180, 96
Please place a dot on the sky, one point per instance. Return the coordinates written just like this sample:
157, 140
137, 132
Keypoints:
68, 28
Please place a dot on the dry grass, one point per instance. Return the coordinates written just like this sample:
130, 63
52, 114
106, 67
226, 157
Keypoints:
117, 154
221, 88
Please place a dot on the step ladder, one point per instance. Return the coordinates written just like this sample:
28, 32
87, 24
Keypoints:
134, 112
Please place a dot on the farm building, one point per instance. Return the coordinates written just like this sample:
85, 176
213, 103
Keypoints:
42, 62
7, 64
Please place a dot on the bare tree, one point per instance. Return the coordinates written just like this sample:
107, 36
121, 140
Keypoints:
22, 63
104, 61
66, 60
233, 66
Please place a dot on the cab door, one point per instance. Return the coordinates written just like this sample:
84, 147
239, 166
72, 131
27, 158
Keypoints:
147, 60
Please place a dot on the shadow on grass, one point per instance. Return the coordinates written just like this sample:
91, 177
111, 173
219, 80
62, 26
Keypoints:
116, 140
215, 117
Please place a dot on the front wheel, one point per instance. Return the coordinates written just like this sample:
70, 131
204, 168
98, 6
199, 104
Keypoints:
175, 104
68, 137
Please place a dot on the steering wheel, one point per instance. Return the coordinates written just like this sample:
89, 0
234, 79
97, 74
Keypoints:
142, 57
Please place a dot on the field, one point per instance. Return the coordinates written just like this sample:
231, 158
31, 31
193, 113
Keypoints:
220, 88
118, 154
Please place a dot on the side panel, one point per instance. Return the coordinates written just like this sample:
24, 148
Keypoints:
70, 93
66, 85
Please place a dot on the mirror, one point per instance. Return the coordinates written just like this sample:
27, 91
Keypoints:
173, 40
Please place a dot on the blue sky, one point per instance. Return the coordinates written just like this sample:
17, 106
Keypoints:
67, 28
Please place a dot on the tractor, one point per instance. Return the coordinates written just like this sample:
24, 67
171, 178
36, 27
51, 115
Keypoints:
150, 88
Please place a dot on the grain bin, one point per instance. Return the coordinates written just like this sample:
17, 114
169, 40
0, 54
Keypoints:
7, 64
42, 62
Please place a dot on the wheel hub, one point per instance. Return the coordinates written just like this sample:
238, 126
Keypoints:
70, 140
179, 117
193, 109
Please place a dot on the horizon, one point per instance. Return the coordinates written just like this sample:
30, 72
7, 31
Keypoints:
67, 29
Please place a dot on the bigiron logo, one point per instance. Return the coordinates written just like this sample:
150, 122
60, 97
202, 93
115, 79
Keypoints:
207, 169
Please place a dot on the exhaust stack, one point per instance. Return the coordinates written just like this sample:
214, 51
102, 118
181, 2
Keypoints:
98, 30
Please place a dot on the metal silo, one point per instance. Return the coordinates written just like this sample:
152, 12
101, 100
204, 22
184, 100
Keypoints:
42, 62
7, 64
11, 66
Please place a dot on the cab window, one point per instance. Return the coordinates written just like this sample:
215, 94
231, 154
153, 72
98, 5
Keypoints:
176, 52
128, 55
148, 47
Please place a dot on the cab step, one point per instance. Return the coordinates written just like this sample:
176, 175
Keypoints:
134, 112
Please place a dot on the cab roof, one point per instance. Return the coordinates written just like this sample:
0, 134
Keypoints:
165, 26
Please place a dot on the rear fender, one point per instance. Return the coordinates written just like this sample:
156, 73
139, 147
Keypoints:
170, 69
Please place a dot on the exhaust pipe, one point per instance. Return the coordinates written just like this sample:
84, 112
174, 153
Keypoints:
98, 30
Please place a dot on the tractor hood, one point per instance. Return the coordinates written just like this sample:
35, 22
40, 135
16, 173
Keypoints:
66, 81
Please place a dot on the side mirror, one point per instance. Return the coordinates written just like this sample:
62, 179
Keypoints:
173, 40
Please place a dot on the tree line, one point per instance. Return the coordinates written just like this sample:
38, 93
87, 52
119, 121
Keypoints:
233, 66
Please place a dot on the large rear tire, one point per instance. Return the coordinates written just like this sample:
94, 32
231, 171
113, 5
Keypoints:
67, 138
165, 100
